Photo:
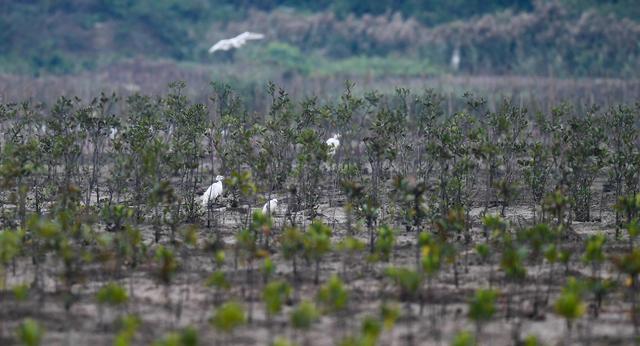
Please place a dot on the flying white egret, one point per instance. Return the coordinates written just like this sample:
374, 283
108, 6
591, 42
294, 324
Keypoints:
213, 192
270, 207
333, 143
235, 42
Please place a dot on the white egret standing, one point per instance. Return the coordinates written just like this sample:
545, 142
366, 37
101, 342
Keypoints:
333, 143
213, 192
270, 207
235, 42
455, 59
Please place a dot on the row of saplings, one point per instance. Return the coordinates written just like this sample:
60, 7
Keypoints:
159, 154
153, 168
69, 239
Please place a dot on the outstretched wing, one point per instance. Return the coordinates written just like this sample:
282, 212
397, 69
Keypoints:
221, 45
245, 36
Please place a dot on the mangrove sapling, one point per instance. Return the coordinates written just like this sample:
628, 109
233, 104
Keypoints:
409, 283
317, 243
551, 256
268, 269
428, 111
483, 251
368, 334
431, 261
463, 338
586, 154
132, 249
274, 295
494, 228
385, 130
385, 243
453, 151
227, 318
333, 297
312, 154
411, 195
482, 308
511, 125
350, 247
216, 281
189, 235
98, 125
569, 305
129, 325
278, 138
189, 125
138, 153
624, 157
594, 254
629, 207
556, 204
20, 295
341, 120
371, 212
18, 163
538, 238
354, 192
404, 145
292, 247
537, 172
302, 318
115, 216
111, 295
10, 247
167, 267
247, 251
30, 333
242, 184
389, 314
629, 265
261, 226
186, 337
65, 144
564, 257
219, 283
512, 263
507, 192
450, 228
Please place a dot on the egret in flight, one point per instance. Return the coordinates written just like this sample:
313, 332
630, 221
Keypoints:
213, 192
235, 42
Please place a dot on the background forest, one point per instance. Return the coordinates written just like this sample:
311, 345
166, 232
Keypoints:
118, 41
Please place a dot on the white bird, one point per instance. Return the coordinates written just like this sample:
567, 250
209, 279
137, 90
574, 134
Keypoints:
235, 42
112, 133
270, 207
455, 59
333, 143
213, 192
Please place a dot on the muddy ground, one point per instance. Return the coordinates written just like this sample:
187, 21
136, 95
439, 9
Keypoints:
188, 302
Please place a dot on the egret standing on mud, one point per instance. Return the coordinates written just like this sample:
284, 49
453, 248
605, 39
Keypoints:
213, 192
270, 207
333, 143
235, 42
